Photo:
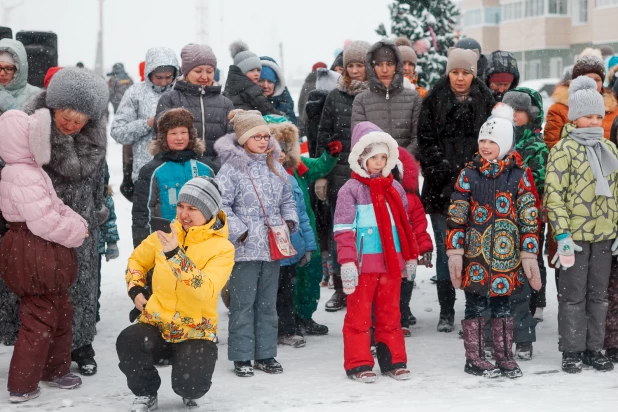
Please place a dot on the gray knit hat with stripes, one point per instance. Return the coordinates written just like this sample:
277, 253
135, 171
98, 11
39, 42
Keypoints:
203, 193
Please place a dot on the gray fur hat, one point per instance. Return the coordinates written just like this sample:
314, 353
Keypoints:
80, 90
521, 101
584, 99
243, 58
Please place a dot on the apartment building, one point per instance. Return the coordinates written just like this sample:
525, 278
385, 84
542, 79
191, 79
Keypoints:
544, 35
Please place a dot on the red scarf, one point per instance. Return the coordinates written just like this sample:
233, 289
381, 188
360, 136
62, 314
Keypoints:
382, 194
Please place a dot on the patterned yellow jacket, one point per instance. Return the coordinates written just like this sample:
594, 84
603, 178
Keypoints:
572, 206
185, 288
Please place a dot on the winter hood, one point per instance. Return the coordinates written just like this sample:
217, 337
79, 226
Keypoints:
272, 64
537, 101
25, 139
502, 62
157, 57
287, 134
408, 170
364, 135
374, 82
229, 151
18, 51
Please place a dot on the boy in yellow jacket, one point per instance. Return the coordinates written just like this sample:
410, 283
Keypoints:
190, 267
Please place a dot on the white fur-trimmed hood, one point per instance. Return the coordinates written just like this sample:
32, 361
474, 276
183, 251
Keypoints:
363, 136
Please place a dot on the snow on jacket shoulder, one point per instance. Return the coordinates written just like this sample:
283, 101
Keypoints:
183, 304
239, 172
138, 104
396, 109
26, 191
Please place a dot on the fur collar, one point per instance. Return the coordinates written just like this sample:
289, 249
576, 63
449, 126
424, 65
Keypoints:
229, 151
287, 133
78, 156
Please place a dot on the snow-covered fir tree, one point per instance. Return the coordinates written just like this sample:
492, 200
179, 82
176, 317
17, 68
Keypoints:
428, 21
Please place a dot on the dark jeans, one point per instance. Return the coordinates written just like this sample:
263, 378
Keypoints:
476, 304
539, 299
438, 223
285, 300
193, 362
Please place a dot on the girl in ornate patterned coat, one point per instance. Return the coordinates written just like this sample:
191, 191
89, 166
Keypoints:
492, 240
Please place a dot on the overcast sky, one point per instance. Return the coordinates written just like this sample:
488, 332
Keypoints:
310, 30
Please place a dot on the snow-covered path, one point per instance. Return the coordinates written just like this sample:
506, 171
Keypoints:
314, 379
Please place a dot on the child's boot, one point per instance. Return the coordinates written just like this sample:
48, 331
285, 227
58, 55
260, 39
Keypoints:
15, 397
474, 343
502, 333
68, 381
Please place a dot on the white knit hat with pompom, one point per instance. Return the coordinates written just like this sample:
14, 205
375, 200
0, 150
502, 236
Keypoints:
499, 128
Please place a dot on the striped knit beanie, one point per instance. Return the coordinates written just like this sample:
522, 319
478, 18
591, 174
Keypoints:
203, 193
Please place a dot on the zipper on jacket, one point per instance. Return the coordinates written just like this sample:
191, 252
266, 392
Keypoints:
203, 116
493, 238
387, 93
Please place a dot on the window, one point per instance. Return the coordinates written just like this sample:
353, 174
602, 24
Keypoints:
535, 8
492, 15
580, 11
534, 70
473, 17
555, 67
607, 3
512, 11
559, 7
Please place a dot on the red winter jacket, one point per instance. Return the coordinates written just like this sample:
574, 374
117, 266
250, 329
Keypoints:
416, 212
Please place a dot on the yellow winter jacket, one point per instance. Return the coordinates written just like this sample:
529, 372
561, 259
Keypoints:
185, 288
570, 200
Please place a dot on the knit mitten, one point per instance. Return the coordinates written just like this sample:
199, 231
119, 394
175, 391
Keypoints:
531, 267
349, 277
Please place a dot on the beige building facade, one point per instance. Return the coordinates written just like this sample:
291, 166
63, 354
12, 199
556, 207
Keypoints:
544, 35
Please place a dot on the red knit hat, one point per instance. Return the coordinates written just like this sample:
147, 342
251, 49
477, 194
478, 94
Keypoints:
48, 76
318, 65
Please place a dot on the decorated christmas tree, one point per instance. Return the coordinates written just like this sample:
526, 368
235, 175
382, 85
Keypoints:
429, 24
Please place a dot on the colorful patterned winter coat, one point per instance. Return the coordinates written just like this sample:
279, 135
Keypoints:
530, 144
572, 206
493, 217
240, 201
185, 287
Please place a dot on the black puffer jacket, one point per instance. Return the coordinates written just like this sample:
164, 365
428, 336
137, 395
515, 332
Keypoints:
395, 110
313, 113
447, 138
501, 62
245, 94
208, 107
335, 124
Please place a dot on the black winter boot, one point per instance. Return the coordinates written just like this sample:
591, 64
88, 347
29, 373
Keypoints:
597, 360
612, 354
446, 297
572, 362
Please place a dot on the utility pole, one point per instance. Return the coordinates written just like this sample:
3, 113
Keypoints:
6, 12
98, 63
201, 21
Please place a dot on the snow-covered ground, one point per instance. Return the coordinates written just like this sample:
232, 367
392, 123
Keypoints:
314, 379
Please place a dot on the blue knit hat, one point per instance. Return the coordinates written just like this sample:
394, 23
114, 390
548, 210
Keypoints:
268, 74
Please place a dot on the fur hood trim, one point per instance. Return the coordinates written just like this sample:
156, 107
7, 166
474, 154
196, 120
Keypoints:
280, 85
40, 129
229, 151
561, 95
159, 145
408, 170
287, 133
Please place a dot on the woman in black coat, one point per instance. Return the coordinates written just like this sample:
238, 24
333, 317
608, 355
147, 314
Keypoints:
451, 117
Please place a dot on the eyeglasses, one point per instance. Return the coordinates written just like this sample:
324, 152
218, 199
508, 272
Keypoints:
384, 64
8, 69
258, 137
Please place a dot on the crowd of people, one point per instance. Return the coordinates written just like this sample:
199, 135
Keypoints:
225, 205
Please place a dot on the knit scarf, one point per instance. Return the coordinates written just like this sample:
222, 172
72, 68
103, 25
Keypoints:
355, 87
383, 196
602, 161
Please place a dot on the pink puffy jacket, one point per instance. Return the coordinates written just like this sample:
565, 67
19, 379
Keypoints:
26, 191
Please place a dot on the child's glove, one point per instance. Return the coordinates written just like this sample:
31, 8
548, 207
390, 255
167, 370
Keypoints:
565, 257
615, 247
321, 186
349, 277
334, 148
531, 268
455, 266
306, 259
426, 260
111, 252
411, 266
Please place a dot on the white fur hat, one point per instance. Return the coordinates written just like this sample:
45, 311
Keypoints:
499, 128
367, 134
